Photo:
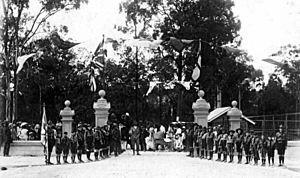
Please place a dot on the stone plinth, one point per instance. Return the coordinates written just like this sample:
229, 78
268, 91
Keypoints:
201, 108
67, 113
101, 108
26, 148
234, 115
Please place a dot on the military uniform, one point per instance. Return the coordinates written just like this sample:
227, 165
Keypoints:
270, 150
263, 150
255, 146
51, 141
73, 146
239, 144
98, 142
204, 144
58, 149
199, 138
81, 142
210, 137
247, 146
116, 138
281, 144
230, 145
135, 135
219, 146
223, 145
89, 142
65, 141
189, 142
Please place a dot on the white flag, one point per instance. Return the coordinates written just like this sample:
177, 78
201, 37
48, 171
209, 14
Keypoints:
44, 127
22, 59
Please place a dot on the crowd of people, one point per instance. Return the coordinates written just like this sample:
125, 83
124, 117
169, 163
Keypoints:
204, 142
102, 141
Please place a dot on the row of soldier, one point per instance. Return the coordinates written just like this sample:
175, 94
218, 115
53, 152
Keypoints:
83, 140
205, 142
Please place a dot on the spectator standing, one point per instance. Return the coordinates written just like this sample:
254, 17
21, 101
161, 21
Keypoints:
135, 138
6, 139
281, 143
65, 142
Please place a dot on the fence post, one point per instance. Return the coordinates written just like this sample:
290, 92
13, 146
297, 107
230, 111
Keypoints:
286, 125
273, 124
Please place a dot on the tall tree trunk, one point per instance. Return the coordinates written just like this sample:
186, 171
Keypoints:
2, 64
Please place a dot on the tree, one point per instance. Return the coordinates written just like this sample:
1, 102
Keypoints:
19, 29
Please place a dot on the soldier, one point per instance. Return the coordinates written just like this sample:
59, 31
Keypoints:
199, 138
73, 145
210, 137
239, 146
58, 148
255, 146
223, 144
51, 140
281, 143
219, 145
195, 140
106, 145
115, 135
135, 135
89, 142
98, 141
65, 146
270, 149
80, 140
230, 145
189, 141
7, 138
204, 144
263, 149
246, 146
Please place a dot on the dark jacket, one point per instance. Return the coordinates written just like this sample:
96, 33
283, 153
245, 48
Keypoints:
135, 133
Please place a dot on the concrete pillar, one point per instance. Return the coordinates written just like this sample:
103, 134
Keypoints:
201, 108
101, 108
234, 115
67, 119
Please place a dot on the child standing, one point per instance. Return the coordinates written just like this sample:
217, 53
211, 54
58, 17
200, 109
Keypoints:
58, 148
271, 149
65, 146
73, 146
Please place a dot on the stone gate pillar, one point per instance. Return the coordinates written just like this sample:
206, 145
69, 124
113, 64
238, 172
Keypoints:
101, 110
201, 108
67, 119
234, 115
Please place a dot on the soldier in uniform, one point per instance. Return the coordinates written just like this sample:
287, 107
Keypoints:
239, 144
281, 143
246, 146
58, 148
219, 145
195, 140
98, 141
255, 146
189, 141
230, 145
270, 149
105, 149
204, 144
263, 149
210, 137
65, 146
89, 142
223, 145
73, 145
80, 140
199, 138
115, 135
51, 140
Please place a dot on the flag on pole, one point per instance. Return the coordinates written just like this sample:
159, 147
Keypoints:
44, 136
59, 42
196, 71
22, 59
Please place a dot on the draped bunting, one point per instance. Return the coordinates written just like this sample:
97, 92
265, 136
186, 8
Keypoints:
277, 63
22, 59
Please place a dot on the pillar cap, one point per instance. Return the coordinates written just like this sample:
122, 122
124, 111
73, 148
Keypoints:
67, 103
234, 111
101, 93
201, 104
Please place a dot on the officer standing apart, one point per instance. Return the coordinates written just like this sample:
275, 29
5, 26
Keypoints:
281, 143
135, 138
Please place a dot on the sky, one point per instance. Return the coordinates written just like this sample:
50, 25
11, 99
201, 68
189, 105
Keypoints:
266, 25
